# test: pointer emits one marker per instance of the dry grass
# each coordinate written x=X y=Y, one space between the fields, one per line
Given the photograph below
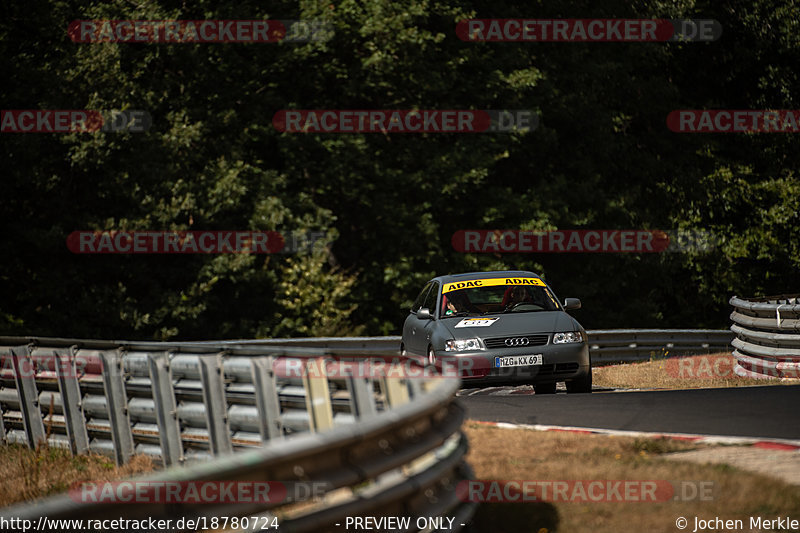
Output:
x=30 y=474
x=693 y=372
x=502 y=454
x=505 y=454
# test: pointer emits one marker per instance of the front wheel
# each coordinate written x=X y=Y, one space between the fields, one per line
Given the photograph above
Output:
x=582 y=384
x=431 y=357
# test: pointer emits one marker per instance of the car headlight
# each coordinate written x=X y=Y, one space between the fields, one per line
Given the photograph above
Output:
x=462 y=345
x=569 y=336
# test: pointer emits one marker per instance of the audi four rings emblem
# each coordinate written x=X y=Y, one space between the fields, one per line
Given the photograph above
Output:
x=517 y=341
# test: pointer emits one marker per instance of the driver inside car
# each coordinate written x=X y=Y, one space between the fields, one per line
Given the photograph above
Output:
x=514 y=296
x=457 y=302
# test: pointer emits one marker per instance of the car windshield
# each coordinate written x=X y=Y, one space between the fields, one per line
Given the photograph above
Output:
x=484 y=297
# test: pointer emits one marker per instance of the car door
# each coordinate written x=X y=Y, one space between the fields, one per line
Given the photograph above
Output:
x=413 y=327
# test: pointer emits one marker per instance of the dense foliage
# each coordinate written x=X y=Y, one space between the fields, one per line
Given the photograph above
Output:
x=601 y=157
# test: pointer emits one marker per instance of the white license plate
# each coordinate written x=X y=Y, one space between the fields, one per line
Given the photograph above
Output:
x=518 y=360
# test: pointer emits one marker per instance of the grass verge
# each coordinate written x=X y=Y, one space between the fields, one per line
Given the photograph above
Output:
x=692 y=372
x=30 y=474
x=505 y=454
x=508 y=454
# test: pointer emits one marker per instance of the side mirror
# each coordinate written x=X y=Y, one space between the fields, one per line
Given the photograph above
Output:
x=572 y=303
x=424 y=313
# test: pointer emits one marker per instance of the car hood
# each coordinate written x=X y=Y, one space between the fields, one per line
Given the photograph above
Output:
x=512 y=324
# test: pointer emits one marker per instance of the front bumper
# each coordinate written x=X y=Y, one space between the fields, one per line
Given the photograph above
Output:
x=560 y=362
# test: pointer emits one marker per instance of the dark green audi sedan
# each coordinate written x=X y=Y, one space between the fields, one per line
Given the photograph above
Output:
x=499 y=327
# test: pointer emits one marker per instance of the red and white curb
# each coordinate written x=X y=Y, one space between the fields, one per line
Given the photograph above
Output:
x=769 y=444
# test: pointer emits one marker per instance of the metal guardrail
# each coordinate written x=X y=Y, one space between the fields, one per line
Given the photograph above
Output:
x=383 y=439
x=109 y=415
x=179 y=401
x=292 y=415
x=605 y=346
x=767 y=343
x=632 y=345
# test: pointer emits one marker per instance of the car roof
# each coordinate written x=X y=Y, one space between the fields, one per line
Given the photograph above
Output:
x=450 y=278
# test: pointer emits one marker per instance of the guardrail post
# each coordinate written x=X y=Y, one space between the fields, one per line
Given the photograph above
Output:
x=362 y=398
x=2 y=427
x=414 y=388
x=71 y=400
x=318 y=396
x=395 y=390
x=219 y=431
x=166 y=410
x=28 y=396
x=2 y=424
x=117 y=402
x=267 y=401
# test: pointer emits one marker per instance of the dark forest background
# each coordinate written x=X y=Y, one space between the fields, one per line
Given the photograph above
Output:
x=602 y=157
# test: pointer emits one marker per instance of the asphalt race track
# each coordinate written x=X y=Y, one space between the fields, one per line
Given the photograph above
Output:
x=768 y=412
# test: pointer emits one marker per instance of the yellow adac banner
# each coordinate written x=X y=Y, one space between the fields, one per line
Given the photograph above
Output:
x=449 y=287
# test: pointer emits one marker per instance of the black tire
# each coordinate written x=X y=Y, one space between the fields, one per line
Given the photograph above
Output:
x=544 y=388
x=431 y=361
x=580 y=385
